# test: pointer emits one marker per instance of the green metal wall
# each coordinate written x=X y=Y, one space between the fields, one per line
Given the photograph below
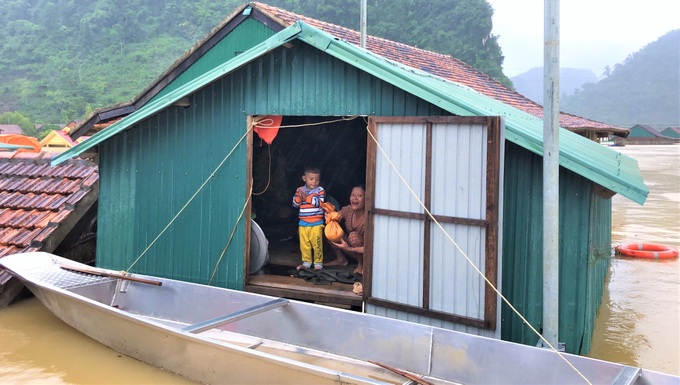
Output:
x=584 y=244
x=599 y=259
x=150 y=171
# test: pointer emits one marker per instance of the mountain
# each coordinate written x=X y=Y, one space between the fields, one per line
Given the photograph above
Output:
x=530 y=83
x=61 y=59
x=644 y=89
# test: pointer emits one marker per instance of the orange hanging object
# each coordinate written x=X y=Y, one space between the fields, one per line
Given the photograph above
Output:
x=267 y=127
x=328 y=207
x=334 y=216
x=333 y=231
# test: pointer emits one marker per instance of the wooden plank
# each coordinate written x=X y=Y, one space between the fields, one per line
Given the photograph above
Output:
x=104 y=273
x=296 y=288
x=404 y=373
x=493 y=187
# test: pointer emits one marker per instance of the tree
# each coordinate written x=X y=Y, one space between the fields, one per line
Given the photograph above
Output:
x=460 y=28
x=60 y=57
x=27 y=127
x=644 y=89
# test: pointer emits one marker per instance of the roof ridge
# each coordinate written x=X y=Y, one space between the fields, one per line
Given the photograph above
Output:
x=435 y=63
x=275 y=13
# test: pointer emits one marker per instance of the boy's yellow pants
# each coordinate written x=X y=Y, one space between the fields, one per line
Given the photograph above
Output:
x=311 y=244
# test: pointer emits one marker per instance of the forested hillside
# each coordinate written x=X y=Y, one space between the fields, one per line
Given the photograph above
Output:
x=60 y=59
x=644 y=89
x=530 y=83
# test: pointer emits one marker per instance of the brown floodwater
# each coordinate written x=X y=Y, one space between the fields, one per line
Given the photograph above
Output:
x=638 y=323
x=38 y=348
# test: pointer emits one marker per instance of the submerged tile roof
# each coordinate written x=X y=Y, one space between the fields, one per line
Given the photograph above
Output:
x=36 y=198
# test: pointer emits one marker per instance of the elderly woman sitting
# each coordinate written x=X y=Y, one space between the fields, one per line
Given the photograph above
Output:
x=353 y=223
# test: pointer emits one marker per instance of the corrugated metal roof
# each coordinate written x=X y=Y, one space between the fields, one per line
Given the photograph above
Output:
x=597 y=163
x=12 y=147
x=644 y=131
x=445 y=66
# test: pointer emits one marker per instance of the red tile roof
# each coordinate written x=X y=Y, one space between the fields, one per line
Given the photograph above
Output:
x=10 y=129
x=445 y=66
x=35 y=198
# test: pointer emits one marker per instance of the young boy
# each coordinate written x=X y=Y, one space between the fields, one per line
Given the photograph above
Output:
x=308 y=199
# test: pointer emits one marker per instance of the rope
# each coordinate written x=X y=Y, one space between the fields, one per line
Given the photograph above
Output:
x=343 y=119
x=263 y=122
x=231 y=236
x=470 y=262
x=269 y=122
x=191 y=199
x=269 y=171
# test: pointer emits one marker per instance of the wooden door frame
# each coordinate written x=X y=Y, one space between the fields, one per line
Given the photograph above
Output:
x=490 y=223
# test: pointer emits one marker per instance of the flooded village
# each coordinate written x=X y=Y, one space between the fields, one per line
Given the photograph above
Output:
x=639 y=302
x=191 y=182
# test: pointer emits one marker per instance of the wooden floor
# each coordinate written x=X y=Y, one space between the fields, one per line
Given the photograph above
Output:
x=284 y=256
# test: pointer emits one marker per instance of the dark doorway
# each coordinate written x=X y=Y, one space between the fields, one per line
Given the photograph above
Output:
x=337 y=146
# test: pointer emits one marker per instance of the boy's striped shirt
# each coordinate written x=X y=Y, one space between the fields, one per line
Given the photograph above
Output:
x=311 y=213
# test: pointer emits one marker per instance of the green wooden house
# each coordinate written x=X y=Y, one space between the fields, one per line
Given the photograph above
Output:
x=672 y=132
x=644 y=134
x=182 y=175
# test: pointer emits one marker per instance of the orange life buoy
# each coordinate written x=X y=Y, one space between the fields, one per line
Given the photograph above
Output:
x=647 y=250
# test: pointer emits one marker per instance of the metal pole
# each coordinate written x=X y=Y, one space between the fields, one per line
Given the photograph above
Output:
x=551 y=168
x=362 y=25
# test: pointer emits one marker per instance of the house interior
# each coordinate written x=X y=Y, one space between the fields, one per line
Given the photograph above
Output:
x=335 y=144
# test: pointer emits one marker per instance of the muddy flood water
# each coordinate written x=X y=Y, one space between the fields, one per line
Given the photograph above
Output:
x=638 y=323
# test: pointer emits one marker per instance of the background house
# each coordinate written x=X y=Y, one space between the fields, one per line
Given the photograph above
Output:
x=183 y=174
x=644 y=134
x=672 y=132
x=11 y=129
x=59 y=140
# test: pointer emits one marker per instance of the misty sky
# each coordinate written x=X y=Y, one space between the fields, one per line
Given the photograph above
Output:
x=592 y=34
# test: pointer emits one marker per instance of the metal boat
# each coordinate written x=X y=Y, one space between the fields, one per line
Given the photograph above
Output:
x=214 y=335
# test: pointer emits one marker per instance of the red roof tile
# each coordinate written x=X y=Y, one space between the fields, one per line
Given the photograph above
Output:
x=11 y=129
x=445 y=66
x=35 y=198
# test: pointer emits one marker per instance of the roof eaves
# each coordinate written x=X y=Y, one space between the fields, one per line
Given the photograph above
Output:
x=185 y=61
x=392 y=72
x=522 y=128
x=102 y=115
x=272 y=43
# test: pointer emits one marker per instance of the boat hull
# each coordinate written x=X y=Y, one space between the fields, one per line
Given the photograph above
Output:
x=295 y=343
